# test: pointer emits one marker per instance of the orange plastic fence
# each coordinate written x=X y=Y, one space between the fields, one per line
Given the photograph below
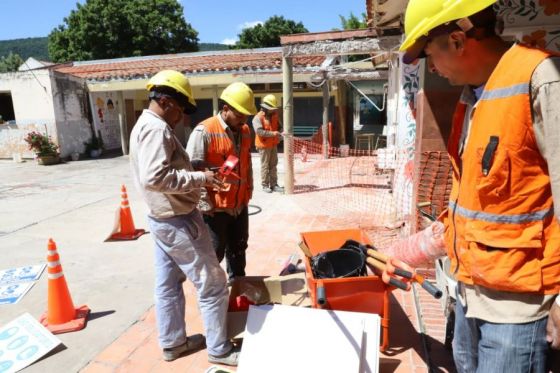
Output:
x=434 y=184
x=356 y=187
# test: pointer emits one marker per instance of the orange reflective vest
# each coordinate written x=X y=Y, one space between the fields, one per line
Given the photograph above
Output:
x=267 y=125
x=218 y=150
x=501 y=229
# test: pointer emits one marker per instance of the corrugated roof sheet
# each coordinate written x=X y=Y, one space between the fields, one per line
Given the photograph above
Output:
x=269 y=59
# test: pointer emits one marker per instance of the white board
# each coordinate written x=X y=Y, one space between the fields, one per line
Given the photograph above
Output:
x=23 y=341
x=12 y=293
x=21 y=274
x=295 y=339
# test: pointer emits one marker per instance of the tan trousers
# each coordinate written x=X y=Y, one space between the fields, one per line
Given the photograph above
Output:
x=269 y=161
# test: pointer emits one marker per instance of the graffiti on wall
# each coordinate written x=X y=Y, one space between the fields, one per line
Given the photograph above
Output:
x=406 y=136
x=533 y=22
x=106 y=118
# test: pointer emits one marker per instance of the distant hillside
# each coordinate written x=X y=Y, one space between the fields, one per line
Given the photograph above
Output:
x=38 y=48
x=29 y=47
x=205 y=47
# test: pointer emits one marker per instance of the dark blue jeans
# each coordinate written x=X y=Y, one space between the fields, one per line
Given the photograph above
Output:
x=485 y=347
x=229 y=236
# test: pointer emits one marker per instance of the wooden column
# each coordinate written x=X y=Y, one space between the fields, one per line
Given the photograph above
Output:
x=288 y=102
x=325 y=119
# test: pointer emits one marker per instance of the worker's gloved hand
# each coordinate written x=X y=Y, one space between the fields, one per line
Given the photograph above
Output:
x=212 y=180
x=389 y=271
x=420 y=248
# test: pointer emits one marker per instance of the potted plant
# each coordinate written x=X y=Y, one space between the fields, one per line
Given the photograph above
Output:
x=43 y=146
x=94 y=147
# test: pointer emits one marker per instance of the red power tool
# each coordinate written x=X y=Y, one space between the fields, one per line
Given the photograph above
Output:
x=228 y=167
x=226 y=170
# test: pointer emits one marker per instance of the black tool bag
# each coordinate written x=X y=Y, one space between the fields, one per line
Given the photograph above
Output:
x=348 y=261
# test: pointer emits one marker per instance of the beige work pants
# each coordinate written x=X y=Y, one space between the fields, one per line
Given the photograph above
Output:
x=269 y=161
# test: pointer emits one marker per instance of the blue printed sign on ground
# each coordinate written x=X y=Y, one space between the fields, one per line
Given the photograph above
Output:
x=23 y=341
x=12 y=293
x=21 y=274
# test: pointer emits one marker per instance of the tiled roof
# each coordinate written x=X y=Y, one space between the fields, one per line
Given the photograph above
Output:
x=242 y=61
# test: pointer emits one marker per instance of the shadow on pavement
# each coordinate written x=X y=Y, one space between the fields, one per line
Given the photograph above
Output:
x=403 y=336
x=96 y=315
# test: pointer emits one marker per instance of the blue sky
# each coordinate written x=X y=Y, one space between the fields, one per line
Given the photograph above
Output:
x=217 y=21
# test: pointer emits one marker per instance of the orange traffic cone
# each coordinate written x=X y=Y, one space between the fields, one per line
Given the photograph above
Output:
x=124 y=225
x=61 y=316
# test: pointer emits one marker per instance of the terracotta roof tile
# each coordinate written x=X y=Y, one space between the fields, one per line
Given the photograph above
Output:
x=230 y=61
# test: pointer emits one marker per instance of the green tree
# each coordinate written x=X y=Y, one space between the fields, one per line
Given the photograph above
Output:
x=10 y=63
x=353 y=22
x=268 y=34
x=122 y=28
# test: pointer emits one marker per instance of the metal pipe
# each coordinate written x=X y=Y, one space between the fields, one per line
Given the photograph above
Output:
x=122 y=125
x=215 y=108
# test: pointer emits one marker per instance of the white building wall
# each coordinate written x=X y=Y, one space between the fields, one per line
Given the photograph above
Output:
x=392 y=102
x=33 y=109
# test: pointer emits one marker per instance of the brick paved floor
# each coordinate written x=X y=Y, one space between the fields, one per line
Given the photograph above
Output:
x=274 y=234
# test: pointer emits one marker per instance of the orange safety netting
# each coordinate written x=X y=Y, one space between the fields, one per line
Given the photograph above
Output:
x=355 y=187
x=367 y=189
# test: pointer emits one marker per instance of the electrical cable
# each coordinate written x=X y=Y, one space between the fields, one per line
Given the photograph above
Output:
x=257 y=210
x=32 y=73
x=367 y=98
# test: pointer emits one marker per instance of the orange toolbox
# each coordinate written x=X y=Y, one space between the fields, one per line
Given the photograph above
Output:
x=358 y=294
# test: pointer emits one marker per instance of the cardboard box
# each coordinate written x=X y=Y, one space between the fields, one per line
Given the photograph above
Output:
x=290 y=290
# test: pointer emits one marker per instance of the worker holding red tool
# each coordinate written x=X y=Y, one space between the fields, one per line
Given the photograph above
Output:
x=223 y=142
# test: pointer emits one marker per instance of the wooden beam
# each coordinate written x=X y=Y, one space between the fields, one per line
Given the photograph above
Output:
x=328 y=35
x=345 y=47
x=357 y=75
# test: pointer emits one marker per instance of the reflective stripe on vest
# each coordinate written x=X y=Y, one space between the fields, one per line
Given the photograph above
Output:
x=500 y=218
x=501 y=230
x=514 y=90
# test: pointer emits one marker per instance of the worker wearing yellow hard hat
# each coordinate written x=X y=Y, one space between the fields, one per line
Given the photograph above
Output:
x=239 y=97
x=425 y=20
x=267 y=136
x=170 y=187
x=175 y=85
x=502 y=229
x=216 y=139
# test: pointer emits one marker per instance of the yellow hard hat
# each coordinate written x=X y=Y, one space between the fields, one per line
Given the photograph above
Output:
x=240 y=97
x=269 y=102
x=422 y=17
x=178 y=87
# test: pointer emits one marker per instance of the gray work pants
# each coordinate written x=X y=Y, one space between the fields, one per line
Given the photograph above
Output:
x=183 y=249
